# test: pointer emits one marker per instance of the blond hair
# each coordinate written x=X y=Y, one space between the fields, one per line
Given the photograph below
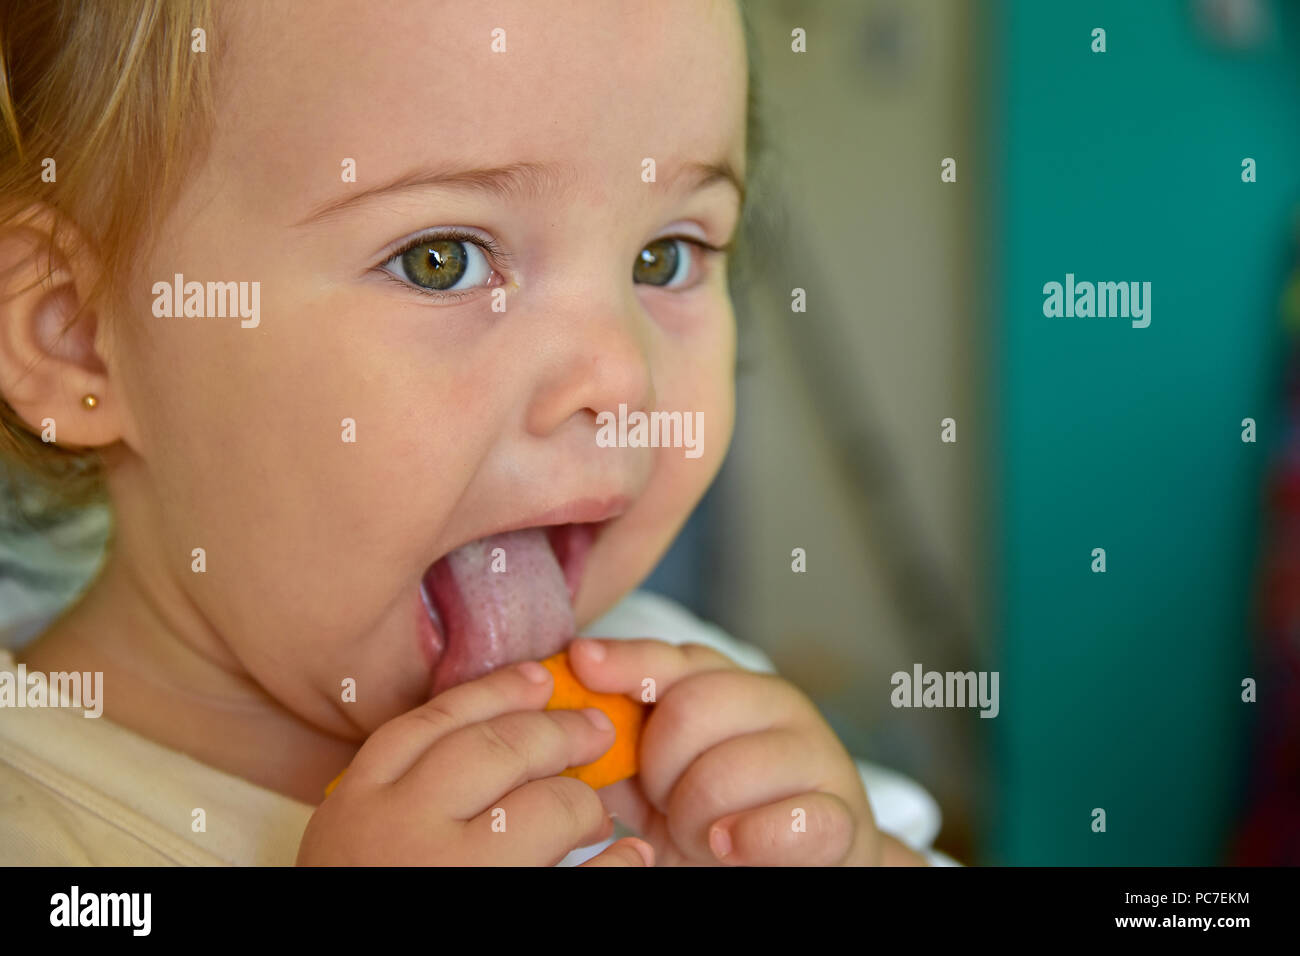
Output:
x=116 y=95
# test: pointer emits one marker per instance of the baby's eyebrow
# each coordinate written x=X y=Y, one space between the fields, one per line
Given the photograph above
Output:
x=516 y=182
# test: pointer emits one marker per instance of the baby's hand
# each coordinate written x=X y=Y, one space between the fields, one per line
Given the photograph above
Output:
x=736 y=767
x=470 y=778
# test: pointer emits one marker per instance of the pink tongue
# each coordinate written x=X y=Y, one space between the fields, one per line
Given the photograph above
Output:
x=495 y=617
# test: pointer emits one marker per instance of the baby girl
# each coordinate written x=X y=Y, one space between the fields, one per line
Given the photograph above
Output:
x=410 y=256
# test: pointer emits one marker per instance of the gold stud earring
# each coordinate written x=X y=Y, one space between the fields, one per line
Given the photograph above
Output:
x=90 y=401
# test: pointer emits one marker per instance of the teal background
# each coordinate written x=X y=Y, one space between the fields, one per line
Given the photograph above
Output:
x=1122 y=690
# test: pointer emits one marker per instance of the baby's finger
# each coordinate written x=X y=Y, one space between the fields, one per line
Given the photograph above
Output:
x=467 y=771
x=628 y=851
x=723 y=781
x=708 y=709
x=540 y=823
x=812 y=829
x=396 y=746
x=621 y=666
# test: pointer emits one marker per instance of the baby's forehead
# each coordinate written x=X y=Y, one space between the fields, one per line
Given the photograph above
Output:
x=592 y=85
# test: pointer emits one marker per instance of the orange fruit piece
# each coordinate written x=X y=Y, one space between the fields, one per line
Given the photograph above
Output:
x=619 y=762
x=329 y=787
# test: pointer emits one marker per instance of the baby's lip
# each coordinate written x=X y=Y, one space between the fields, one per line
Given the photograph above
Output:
x=594 y=513
x=582 y=511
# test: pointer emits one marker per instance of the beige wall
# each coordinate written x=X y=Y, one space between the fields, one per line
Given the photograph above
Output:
x=858 y=126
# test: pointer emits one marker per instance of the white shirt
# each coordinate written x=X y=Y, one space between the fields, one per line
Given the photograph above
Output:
x=85 y=791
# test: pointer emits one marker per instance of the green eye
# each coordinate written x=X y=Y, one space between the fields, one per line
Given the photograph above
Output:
x=437 y=265
x=442 y=264
x=662 y=262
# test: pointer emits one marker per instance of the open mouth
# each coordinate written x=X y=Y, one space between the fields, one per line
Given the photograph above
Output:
x=503 y=598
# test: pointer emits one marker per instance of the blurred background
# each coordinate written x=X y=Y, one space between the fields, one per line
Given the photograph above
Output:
x=1122 y=690
x=1119 y=690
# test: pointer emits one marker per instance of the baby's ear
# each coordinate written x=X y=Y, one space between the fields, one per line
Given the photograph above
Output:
x=49 y=358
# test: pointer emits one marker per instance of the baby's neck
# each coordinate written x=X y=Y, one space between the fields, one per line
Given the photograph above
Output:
x=186 y=691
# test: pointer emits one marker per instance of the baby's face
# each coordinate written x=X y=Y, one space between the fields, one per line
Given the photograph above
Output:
x=469 y=421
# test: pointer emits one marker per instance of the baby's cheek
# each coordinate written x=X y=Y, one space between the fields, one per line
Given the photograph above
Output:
x=713 y=401
x=712 y=385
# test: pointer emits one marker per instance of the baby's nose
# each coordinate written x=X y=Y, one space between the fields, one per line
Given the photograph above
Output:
x=603 y=362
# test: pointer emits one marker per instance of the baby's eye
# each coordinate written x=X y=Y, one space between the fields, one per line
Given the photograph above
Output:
x=666 y=262
x=441 y=264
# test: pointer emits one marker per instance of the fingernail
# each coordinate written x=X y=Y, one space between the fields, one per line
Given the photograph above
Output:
x=646 y=850
x=719 y=842
x=593 y=649
x=534 y=672
x=598 y=718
